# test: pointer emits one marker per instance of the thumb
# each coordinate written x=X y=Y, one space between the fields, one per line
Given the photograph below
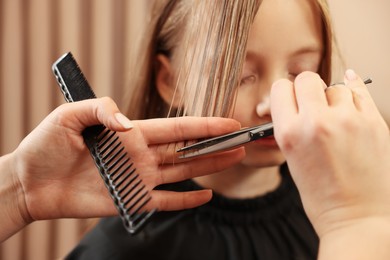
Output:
x=85 y=113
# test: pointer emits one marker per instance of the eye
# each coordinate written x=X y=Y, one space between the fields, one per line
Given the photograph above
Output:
x=247 y=80
x=297 y=68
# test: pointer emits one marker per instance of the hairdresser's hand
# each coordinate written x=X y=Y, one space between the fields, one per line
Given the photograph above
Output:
x=52 y=175
x=337 y=147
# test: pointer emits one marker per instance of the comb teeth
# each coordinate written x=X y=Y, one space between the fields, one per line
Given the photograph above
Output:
x=115 y=167
x=125 y=185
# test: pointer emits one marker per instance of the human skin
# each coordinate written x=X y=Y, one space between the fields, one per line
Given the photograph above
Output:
x=337 y=146
x=52 y=175
x=285 y=39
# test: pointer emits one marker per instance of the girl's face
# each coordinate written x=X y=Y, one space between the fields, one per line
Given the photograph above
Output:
x=285 y=40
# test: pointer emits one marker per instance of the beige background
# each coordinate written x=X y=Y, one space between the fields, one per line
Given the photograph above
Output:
x=363 y=34
x=33 y=34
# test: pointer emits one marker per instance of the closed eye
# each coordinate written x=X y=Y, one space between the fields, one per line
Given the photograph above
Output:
x=251 y=79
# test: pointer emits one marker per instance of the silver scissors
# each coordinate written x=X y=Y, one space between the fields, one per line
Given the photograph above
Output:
x=232 y=140
x=228 y=141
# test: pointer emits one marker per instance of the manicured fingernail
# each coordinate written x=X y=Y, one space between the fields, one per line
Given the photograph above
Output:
x=124 y=121
x=350 y=75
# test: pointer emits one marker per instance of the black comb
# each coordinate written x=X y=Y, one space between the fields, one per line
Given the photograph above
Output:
x=115 y=167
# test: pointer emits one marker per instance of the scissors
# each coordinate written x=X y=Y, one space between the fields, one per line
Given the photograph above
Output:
x=232 y=140
x=228 y=141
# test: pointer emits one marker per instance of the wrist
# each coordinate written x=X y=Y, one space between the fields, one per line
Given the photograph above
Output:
x=360 y=239
x=13 y=210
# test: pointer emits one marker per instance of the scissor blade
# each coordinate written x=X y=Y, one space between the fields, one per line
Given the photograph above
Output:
x=227 y=141
x=232 y=140
x=223 y=145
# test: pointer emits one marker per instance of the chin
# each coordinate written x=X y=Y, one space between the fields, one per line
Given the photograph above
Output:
x=263 y=159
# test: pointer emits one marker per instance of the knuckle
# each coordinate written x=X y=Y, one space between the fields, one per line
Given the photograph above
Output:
x=287 y=139
x=105 y=104
x=104 y=107
x=179 y=129
x=59 y=114
x=107 y=101
x=318 y=130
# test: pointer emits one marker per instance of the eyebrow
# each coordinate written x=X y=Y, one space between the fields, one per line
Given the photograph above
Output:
x=308 y=49
x=251 y=54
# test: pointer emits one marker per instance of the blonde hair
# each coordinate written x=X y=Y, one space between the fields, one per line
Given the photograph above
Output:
x=206 y=41
x=325 y=69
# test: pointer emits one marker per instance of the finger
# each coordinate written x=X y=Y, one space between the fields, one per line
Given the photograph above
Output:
x=309 y=91
x=81 y=114
x=361 y=95
x=78 y=204
x=167 y=153
x=339 y=95
x=177 y=129
x=283 y=102
x=170 y=200
x=200 y=166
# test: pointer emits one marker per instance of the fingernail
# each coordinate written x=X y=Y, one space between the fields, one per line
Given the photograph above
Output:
x=350 y=75
x=124 y=121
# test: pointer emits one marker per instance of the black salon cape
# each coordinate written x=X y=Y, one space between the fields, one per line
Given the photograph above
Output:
x=273 y=226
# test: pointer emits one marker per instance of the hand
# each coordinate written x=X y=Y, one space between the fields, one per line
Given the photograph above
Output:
x=337 y=147
x=54 y=174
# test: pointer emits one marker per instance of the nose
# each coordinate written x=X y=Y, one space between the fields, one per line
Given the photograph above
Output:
x=263 y=107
